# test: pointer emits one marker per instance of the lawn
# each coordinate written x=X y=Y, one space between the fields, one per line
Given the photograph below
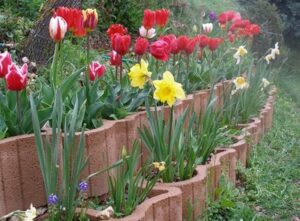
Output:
x=269 y=189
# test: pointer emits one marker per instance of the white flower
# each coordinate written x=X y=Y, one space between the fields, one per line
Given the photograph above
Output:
x=241 y=51
x=30 y=214
x=265 y=82
x=207 y=28
x=274 y=51
x=240 y=83
x=147 y=33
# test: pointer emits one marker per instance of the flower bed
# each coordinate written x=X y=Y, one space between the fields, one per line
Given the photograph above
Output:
x=162 y=204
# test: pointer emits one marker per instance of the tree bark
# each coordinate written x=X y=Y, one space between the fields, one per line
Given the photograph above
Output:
x=39 y=47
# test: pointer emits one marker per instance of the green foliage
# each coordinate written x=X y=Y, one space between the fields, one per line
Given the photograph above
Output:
x=17 y=18
x=210 y=133
x=169 y=140
x=15 y=112
x=229 y=205
x=130 y=186
x=72 y=157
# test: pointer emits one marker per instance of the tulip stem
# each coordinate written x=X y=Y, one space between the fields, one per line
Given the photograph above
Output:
x=88 y=48
x=53 y=77
x=178 y=73
x=116 y=75
x=18 y=109
x=174 y=59
x=121 y=70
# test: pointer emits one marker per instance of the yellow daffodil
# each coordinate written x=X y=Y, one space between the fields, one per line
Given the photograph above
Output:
x=30 y=214
x=167 y=90
x=240 y=83
x=265 y=82
x=161 y=166
x=139 y=74
x=241 y=51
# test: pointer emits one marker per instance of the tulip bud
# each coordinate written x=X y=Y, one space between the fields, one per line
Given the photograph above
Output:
x=141 y=46
x=115 y=59
x=5 y=62
x=96 y=70
x=57 y=28
x=121 y=43
x=160 y=49
x=182 y=41
x=90 y=19
x=195 y=29
x=149 y=19
x=16 y=77
x=162 y=17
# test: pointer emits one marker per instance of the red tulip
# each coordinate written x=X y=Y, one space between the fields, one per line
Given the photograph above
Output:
x=231 y=36
x=5 y=62
x=66 y=14
x=182 y=42
x=115 y=59
x=16 y=77
x=214 y=43
x=254 y=29
x=57 y=28
x=141 y=46
x=90 y=19
x=172 y=41
x=149 y=19
x=121 y=43
x=162 y=17
x=190 y=47
x=227 y=16
x=74 y=19
x=77 y=25
x=160 y=50
x=203 y=41
x=96 y=70
x=116 y=28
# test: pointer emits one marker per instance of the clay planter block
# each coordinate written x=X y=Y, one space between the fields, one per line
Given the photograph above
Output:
x=241 y=148
x=219 y=94
x=203 y=97
x=163 y=204
x=97 y=146
x=20 y=175
x=224 y=161
x=188 y=102
x=193 y=192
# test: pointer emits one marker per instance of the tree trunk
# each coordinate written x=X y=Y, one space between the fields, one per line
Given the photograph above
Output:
x=39 y=47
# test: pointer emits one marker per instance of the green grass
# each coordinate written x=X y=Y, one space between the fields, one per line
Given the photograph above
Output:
x=270 y=187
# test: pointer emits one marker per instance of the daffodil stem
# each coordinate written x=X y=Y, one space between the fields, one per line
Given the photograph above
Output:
x=18 y=109
x=170 y=125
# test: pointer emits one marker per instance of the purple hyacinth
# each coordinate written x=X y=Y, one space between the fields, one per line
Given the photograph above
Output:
x=212 y=16
x=83 y=186
x=52 y=199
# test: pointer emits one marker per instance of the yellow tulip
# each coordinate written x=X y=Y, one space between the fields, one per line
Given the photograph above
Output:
x=139 y=74
x=167 y=90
